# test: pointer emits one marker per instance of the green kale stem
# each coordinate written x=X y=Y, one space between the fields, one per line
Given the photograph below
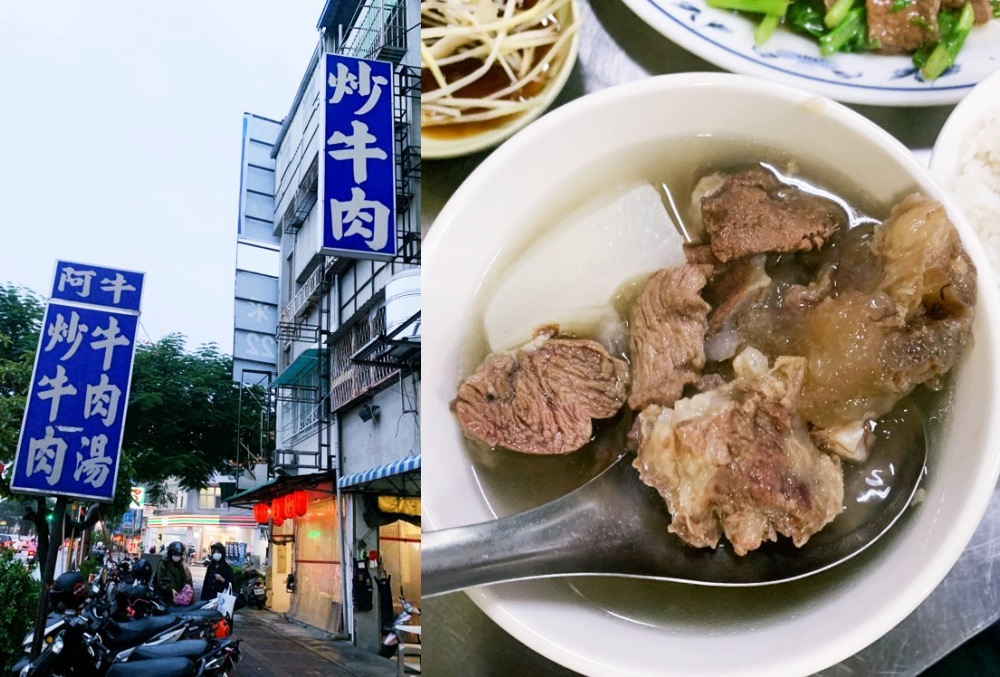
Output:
x=766 y=27
x=772 y=7
x=852 y=27
x=837 y=12
x=943 y=56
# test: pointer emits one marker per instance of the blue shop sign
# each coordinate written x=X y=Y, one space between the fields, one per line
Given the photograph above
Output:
x=71 y=434
x=359 y=184
x=97 y=286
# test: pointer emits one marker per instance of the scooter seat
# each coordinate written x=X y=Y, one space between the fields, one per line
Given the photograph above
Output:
x=124 y=635
x=196 y=606
x=203 y=616
x=186 y=648
x=158 y=667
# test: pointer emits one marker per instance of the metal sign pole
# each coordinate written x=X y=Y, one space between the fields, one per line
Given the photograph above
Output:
x=55 y=539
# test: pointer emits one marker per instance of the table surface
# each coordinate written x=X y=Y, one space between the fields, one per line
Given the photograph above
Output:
x=461 y=639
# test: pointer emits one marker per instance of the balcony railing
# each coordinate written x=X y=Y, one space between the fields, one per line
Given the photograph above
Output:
x=352 y=381
x=303 y=200
x=304 y=297
x=378 y=31
x=298 y=459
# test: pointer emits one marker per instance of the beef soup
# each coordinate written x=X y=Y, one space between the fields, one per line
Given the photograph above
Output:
x=776 y=374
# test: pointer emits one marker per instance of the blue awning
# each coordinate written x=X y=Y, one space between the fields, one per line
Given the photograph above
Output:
x=400 y=477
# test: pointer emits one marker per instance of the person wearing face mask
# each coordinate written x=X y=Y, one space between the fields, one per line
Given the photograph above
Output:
x=170 y=576
x=218 y=574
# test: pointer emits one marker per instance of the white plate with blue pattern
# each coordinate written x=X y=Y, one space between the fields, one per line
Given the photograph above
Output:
x=726 y=39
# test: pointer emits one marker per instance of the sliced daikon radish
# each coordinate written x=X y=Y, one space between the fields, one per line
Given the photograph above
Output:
x=571 y=275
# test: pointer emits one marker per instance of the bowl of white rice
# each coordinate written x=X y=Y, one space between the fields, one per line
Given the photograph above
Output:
x=966 y=160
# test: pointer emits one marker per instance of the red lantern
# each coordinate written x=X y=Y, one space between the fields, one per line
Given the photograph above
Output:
x=289 y=500
x=278 y=512
x=261 y=513
x=301 y=501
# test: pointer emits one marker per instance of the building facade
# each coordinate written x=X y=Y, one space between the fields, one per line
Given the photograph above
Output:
x=346 y=384
x=198 y=518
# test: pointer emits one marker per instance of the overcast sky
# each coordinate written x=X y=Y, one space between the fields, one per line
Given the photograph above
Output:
x=121 y=124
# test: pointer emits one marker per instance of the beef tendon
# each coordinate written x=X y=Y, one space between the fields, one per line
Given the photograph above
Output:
x=868 y=349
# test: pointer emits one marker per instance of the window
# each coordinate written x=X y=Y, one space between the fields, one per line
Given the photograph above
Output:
x=210 y=497
x=300 y=414
x=180 y=500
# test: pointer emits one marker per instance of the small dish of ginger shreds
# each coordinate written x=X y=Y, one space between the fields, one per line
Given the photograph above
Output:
x=489 y=67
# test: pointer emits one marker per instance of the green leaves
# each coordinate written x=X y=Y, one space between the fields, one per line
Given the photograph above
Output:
x=20 y=319
x=183 y=412
x=953 y=30
x=17 y=613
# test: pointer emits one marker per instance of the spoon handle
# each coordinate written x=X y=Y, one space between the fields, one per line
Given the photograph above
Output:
x=540 y=542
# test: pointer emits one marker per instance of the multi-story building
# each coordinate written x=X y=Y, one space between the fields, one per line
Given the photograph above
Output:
x=346 y=383
x=197 y=518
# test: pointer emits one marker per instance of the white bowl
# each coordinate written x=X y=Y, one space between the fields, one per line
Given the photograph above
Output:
x=439 y=147
x=963 y=122
x=626 y=627
x=959 y=141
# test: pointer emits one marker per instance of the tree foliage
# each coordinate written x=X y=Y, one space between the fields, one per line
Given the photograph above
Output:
x=20 y=317
x=182 y=412
x=19 y=592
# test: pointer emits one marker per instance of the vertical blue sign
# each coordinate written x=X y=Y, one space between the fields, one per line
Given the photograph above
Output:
x=359 y=175
x=71 y=434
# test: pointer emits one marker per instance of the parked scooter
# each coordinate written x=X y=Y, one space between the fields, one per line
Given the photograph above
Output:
x=78 y=651
x=395 y=634
x=84 y=640
x=136 y=600
x=254 y=588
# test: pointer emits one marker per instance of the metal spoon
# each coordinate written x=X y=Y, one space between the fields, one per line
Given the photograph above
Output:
x=616 y=525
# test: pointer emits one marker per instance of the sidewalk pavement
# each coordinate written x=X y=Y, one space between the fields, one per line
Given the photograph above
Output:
x=273 y=646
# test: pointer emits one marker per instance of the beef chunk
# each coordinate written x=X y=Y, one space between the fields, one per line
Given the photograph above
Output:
x=752 y=212
x=738 y=461
x=809 y=295
x=700 y=254
x=981 y=8
x=667 y=340
x=541 y=399
x=734 y=287
x=902 y=31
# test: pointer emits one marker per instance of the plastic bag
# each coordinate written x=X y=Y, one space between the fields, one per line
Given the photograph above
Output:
x=184 y=596
x=226 y=601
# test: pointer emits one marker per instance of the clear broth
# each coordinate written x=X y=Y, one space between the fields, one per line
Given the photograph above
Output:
x=514 y=482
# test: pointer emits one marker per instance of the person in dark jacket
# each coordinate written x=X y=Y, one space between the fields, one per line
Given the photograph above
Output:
x=170 y=575
x=218 y=575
